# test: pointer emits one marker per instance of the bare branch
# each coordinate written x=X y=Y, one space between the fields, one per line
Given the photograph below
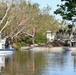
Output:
x=5 y=25
x=20 y=27
x=13 y=34
x=17 y=33
x=5 y=14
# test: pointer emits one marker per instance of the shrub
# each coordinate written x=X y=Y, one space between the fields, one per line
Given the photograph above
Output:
x=40 y=38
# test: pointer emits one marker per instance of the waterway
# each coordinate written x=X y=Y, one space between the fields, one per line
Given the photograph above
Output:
x=40 y=63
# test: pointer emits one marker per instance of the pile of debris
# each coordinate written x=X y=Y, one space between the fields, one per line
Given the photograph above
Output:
x=55 y=43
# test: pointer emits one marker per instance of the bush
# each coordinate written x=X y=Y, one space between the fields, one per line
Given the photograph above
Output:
x=20 y=44
x=40 y=38
x=28 y=40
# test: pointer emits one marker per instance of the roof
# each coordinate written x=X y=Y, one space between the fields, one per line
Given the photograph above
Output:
x=48 y=31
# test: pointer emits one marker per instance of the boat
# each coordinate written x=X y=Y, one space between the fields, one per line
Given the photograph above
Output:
x=5 y=51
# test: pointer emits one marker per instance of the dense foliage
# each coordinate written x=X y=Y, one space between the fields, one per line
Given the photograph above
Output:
x=67 y=10
x=24 y=16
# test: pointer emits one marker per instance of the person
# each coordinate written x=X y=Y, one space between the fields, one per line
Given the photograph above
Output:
x=6 y=43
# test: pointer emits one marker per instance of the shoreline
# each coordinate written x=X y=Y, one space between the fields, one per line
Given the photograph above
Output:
x=49 y=48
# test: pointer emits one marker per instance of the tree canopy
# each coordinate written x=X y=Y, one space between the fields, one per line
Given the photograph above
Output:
x=24 y=16
x=67 y=10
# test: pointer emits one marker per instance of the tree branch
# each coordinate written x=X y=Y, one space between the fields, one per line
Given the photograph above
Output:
x=5 y=15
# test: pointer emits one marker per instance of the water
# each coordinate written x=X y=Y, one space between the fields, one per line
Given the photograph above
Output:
x=41 y=63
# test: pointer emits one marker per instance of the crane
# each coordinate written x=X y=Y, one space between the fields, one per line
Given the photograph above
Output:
x=31 y=35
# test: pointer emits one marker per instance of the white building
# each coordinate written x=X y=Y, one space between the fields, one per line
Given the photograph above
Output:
x=50 y=37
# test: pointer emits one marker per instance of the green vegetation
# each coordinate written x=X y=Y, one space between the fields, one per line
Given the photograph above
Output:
x=24 y=16
x=40 y=38
x=67 y=10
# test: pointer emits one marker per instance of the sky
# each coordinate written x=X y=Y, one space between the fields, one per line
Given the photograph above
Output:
x=51 y=3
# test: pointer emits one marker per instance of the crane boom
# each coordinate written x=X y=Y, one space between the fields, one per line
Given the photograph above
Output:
x=32 y=35
x=28 y=33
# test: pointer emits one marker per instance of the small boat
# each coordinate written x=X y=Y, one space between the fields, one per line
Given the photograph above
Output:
x=5 y=51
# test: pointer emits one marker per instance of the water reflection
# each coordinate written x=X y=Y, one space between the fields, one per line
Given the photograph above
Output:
x=74 y=63
x=2 y=63
x=41 y=63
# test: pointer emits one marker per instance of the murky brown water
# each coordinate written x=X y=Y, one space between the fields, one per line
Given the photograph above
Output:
x=40 y=63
